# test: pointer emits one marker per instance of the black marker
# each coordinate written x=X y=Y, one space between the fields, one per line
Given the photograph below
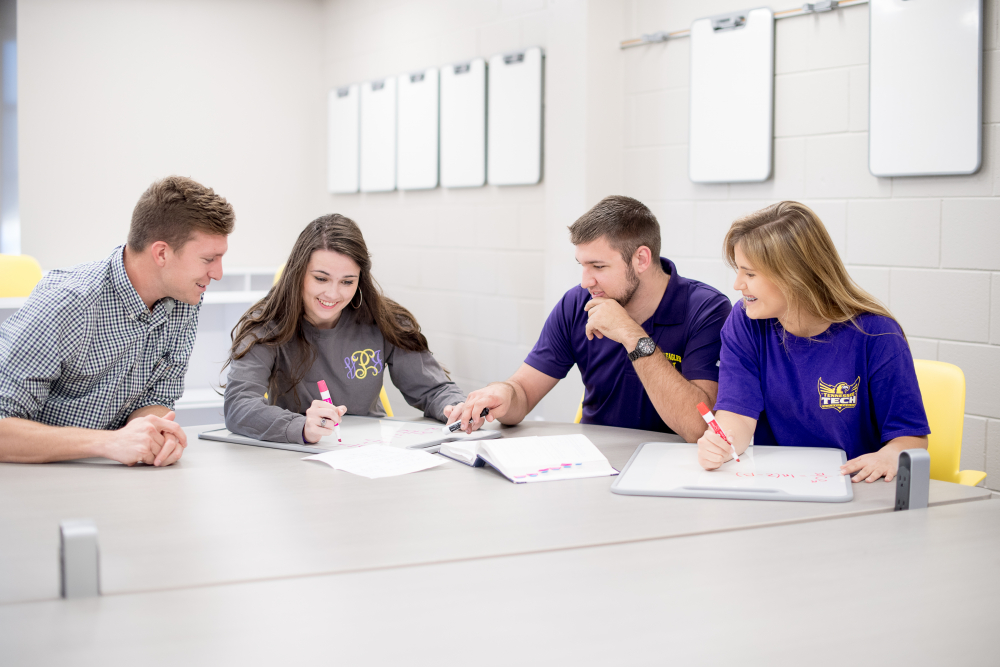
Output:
x=451 y=428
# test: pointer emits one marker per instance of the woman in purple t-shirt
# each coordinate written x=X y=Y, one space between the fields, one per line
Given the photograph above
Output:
x=810 y=359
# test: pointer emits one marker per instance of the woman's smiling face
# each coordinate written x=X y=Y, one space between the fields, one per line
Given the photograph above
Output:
x=761 y=297
x=330 y=283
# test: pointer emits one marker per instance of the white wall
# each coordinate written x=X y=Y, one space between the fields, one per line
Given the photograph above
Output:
x=929 y=248
x=480 y=267
x=115 y=94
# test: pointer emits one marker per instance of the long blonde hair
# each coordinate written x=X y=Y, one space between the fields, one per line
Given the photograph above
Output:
x=788 y=243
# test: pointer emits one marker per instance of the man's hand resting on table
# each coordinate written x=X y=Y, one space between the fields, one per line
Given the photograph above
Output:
x=158 y=441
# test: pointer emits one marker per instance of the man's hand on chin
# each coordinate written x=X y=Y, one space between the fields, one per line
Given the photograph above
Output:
x=607 y=319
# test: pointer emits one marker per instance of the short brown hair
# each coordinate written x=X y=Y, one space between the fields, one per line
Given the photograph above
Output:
x=627 y=223
x=173 y=208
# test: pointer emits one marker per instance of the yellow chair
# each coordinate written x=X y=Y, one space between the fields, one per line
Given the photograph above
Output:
x=18 y=275
x=579 y=410
x=942 y=386
x=382 y=395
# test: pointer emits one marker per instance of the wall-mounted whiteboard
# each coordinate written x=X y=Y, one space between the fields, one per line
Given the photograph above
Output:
x=378 y=135
x=925 y=87
x=514 y=119
x=732 y=97
x=342 y=140
x=463 y=124
x=417 y=123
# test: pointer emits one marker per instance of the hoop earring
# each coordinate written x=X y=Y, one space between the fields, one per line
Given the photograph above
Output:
x=359 y=302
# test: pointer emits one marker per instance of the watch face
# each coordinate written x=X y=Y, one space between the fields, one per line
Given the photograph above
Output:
x=646 y=346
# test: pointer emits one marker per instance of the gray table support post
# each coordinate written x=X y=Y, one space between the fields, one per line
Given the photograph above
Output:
x=913 y=479
x=78 y=558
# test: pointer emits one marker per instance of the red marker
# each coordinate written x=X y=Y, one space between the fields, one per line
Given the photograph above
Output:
x=709 y=418
x=324 y=393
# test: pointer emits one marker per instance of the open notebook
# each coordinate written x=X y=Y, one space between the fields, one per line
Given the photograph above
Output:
x=534 y=459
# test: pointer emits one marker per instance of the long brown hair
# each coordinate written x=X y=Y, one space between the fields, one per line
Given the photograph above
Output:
x=788 y=243
x=277 y=318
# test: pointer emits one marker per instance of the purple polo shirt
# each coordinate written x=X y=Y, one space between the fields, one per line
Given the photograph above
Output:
x=845 y=388
x=685 y=326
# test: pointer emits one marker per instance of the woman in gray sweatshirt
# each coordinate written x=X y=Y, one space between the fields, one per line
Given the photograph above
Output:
x=327 y=319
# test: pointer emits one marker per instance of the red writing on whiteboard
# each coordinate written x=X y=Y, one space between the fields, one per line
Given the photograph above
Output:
x=811 y=477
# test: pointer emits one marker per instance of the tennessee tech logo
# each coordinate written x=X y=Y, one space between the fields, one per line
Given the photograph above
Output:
x=838 y=396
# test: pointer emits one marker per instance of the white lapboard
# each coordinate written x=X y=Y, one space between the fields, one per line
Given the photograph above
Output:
x=357 y=431
x=342 y=140
x=378 y=135
x=732 y=97
x=514 y=119
x=763 y=473
x=463 y=124
x=925 y=94
x=417 y=130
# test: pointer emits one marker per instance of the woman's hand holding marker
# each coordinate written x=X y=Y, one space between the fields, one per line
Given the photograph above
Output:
x=322 y=417
x=715 y=447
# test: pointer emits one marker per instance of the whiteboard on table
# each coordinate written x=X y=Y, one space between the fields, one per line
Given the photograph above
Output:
x=763 y=473
x=925 y=93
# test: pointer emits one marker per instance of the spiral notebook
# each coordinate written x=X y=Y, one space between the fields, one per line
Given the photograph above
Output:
x=534 y=459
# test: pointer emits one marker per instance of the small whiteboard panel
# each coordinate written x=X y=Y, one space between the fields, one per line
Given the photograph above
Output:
x=925 y=95
x=342 y=140
x=732 y=98
x=463 y=124
x=417 y=123
x=378 y=135
x=763 y=473
x=514 y=120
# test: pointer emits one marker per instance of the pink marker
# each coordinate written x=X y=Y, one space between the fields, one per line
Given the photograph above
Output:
x=324 y=393
x=709 y=418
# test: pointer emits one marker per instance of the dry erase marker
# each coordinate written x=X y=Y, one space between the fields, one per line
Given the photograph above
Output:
x=709 y=418
x=451 y=428
x=324 y=393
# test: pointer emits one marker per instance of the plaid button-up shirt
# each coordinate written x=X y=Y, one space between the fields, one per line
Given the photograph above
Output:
x=85 y=351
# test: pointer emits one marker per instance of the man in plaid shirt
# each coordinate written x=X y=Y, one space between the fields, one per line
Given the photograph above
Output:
x=93 y=362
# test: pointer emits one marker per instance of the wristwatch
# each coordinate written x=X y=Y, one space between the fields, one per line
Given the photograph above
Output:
x=643 y=348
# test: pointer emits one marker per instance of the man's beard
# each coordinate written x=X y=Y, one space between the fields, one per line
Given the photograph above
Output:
x=633 y=286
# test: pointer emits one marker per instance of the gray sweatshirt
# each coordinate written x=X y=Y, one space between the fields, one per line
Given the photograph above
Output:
x=351 y=358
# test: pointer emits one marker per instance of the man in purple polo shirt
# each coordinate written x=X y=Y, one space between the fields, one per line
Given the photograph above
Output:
x=648 y=376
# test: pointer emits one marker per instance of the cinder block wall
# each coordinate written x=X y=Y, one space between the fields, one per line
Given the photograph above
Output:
x=468 y=262
x=929 y=248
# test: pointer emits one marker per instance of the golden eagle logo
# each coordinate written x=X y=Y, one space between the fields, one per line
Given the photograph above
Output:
x=838 y=396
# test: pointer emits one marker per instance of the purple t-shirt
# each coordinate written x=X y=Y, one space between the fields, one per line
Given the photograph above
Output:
x=685 y=326
x=843 y=388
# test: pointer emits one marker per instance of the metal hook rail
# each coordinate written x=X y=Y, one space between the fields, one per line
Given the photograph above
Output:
x=809 y=8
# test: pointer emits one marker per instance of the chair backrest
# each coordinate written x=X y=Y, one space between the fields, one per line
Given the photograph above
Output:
x=579 y=409
x=942 y=386
x=384 y=397
x=18 y=275
x=277 y=274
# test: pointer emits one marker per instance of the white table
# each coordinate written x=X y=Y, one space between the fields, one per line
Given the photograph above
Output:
x=232 y=513
x=907 y=588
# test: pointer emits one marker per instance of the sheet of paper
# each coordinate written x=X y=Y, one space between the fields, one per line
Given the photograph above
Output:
x=374 y=461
